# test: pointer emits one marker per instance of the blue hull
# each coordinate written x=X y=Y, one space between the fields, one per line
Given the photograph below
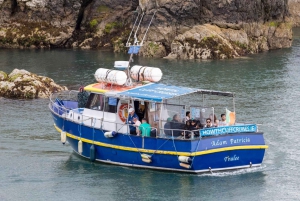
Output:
x=217 y=153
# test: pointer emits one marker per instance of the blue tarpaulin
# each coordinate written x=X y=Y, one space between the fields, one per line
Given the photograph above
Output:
x=157 y=92
x=133 y=49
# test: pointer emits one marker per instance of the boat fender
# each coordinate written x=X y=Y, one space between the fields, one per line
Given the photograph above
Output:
x=63 y=136
x=146 y=156
x=184 y=159
x=146 y=160
x=80 y=147
x=92 y=153
x=110 y=134
x=187 y=166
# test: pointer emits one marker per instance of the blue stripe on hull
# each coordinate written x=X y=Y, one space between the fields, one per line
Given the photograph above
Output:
x=219 y=160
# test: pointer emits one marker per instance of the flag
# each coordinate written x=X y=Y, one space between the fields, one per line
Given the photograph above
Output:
x=230 y=117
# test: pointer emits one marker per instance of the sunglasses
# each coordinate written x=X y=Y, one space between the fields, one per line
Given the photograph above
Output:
x=208 y=122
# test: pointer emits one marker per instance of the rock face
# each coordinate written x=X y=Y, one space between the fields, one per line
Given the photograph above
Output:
x=190 y=29
x=294 y=9
x=22 y=84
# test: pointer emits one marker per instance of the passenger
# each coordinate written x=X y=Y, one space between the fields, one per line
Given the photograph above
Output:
x=215 y=123
x=136 y=124
x=186 y=133
x=208 y=123
x=82 y=97
x=176 y=118
x=195 y=128
x=167 y=127
x=145 y=128
x=188 y=116
x=129 y=121
x=176 y=125
x=223 y=120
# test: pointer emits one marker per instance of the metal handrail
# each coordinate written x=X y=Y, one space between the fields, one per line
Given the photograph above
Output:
x=64 y=111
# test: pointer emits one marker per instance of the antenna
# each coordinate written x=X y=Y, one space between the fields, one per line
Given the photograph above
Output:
x=135 y=38
x=147 y=28
x=135 y=47
x=127 y=43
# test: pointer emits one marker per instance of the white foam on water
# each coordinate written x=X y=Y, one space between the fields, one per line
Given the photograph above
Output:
x=234 y=172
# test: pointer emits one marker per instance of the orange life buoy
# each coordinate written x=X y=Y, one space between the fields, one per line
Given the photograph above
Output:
x=123 y=112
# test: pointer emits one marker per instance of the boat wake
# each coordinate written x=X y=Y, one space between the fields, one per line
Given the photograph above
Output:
x=234 y=172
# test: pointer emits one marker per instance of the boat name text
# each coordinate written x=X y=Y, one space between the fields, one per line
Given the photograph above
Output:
x=230 y=141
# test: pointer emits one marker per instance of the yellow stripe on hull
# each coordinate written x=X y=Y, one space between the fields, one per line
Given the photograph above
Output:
x=198 y=153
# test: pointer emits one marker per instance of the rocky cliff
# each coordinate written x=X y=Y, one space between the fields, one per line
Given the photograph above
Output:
x=190 y=29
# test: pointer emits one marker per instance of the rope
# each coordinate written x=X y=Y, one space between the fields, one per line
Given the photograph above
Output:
x=159 y=147
x=107 y=72
x=143 y=73
x=134 y=144
x=196 y=150
x=175 y=149
x=139 y=74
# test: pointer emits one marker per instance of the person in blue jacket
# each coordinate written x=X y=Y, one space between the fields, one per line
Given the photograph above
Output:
x=129 y=120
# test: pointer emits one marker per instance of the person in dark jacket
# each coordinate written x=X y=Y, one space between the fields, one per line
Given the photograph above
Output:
x=82 y=97
x=176 y=125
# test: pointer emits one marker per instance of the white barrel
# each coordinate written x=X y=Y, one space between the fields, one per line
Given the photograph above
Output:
x=80 y=147
x=63 y=136
x=184 y=159
x=111 y=76
x=144 y=73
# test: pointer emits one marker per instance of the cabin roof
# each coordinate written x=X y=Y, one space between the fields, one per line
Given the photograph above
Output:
x=154 y=91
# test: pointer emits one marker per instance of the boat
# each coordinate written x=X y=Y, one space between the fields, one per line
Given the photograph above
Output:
x=97 y=127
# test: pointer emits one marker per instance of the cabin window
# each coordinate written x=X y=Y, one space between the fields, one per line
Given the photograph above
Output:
x=96 y=102
x=102 y=103
x=111 y=104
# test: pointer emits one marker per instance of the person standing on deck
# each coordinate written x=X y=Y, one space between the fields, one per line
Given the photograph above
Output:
x=82 y=97
x=145 y=128
x=129 y=120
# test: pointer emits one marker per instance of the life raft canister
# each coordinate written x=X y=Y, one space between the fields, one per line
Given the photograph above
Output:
x=123 y=111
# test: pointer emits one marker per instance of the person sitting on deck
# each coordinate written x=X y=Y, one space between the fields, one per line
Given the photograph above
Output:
x=176 y=125
x=208 y=123
x=215 y=121
x=136 y=124
x=188 y=116
x=195 y=128
x=186 y=133
x=223 y=120
x=129 y=121
x=167 y=127
x=145 y=128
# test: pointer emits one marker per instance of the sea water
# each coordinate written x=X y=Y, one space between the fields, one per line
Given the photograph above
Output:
x=36 y=166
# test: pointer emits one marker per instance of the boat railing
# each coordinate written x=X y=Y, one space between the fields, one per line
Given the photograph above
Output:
x=178 y=134
x=64 y=95
x=95 y=122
